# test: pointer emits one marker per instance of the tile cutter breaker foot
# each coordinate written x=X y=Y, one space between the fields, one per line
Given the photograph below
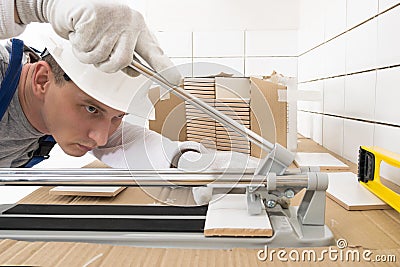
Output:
x=269 y=187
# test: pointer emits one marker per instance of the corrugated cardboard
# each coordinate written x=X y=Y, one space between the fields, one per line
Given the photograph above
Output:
x=170 y=120
x=130 y=196
x=75 y=254
x=269 y=123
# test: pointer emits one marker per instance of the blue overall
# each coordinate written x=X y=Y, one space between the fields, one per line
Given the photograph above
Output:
x=7 y=90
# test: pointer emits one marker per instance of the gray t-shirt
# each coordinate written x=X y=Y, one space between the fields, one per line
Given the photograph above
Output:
x=18 y=139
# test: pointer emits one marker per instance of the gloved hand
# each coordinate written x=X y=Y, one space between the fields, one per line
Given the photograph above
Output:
x=214 y=160
x=104 y=33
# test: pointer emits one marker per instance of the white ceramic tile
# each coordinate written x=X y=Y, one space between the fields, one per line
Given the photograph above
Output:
x=218 y=44
x=361 y=45
x=356 y=134
x=349 y=193
x=311 y=64
x=304 y=105
x=286 y=66
x=184 y=65
x=316 y=133
x=388 y=52
x=334 y=96
x=332 y=132
x=212 y=66
x=271 y=43
x=304 y=123
x=388 y=138
x=175 y=44
x=334 y=57
x=359 y=95
x=360 y=10
x=303 y=62
x=311 y=24
x=13 y=194
x=316 y=105
x=211 y=15
x=335 y=18
x=385 y=4
x=387 y=96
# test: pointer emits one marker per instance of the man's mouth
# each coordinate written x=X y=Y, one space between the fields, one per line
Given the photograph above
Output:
x=85 y=148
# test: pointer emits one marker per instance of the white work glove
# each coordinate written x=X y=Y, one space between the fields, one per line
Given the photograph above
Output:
x=138 y=148
x=103 y=33
x=214 y=160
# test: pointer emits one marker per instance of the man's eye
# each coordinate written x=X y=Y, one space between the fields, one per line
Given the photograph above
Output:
x=91 y=109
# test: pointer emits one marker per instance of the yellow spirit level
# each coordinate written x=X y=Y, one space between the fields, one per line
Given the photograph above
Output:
x=369 y=163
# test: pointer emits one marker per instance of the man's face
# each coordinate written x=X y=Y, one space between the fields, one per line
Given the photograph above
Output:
x=77 y=121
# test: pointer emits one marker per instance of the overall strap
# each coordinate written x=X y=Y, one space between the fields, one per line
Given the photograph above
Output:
x=10 y=82
x=46 y=143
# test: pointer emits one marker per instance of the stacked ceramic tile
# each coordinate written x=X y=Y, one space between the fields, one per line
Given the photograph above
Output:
x=228 y=95
x=233 y=99
x=199 y=126
x=227 y=139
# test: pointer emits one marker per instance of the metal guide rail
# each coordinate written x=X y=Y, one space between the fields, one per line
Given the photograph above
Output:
x=123 y=177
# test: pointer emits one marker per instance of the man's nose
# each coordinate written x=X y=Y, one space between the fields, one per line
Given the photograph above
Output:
x=99 y=133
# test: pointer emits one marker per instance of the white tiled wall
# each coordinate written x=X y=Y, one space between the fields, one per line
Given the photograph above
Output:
x=335 y=18
x=387 y=108
x=361 y=44
x=388 y=38
x=332 y=134
x=334 y=96
x=356 y=133
x=387 y=137
x=359 y=11
x=360 y=72
x=242 y=53
x=359 y=95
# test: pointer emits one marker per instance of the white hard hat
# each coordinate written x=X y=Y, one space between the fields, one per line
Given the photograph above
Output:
x=116 y=90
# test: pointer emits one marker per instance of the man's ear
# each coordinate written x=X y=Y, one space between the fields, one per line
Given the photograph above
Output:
x=41 y=78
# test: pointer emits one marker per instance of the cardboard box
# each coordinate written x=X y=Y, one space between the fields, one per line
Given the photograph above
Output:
x=268 y=116
x=170 y=120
